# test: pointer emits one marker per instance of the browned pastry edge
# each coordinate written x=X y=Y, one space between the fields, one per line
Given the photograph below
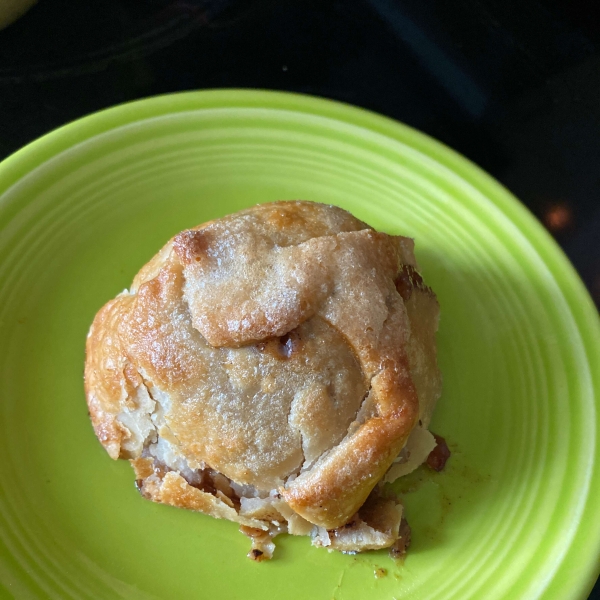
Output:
x=362 y=458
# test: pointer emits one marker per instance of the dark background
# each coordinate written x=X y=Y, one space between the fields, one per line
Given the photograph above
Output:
x=514 y=86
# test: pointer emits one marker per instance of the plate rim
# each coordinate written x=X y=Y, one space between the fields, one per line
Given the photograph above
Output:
x=25 y=160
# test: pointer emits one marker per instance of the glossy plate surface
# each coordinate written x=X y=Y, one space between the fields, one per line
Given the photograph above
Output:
x=515 y=515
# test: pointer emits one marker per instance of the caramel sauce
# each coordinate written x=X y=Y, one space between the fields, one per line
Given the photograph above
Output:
x=407 y=280
x=439 y=455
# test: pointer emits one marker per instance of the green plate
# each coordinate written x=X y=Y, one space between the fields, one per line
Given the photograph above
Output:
x=515 y=515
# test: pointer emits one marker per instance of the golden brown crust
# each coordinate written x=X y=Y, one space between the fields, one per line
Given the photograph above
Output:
x=106 y=383
x=423 y=312
x=375 y=526
x=287 y=346
x=254 y=384
x=375 y=322
x=174 y=490
x=273 y=278
x=330 y=493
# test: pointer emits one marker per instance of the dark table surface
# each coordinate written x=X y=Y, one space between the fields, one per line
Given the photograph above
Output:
x=514 y=86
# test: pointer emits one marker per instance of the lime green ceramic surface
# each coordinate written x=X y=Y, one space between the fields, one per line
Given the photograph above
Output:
x=517 y=512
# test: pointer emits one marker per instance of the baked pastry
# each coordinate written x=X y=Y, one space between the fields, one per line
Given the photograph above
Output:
x=274 y=368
